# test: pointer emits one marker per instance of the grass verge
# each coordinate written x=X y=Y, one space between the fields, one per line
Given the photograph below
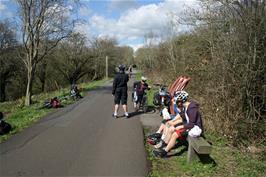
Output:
x=21 y=117
x=227 y=161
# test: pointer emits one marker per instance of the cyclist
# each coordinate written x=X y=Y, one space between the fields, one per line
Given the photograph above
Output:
x=139 y=89
x=74 y=92
x=120 y=90
x=192 y=123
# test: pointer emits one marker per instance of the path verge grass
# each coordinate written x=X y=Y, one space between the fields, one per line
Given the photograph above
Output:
x=228 y=161
x=21 y=117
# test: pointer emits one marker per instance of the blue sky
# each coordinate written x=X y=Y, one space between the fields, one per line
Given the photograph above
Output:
x=129 y=21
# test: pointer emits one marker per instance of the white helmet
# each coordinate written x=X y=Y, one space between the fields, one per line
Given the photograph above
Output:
x=181 y=96
x=143 y=78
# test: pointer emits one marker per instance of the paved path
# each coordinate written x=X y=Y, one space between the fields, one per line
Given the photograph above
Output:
x=79 y=140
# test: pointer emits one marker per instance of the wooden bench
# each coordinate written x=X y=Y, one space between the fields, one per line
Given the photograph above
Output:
x=198 y=149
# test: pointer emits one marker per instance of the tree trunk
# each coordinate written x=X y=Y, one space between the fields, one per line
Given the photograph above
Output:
x=31 y=71
x=95 y=75
x=43 y=75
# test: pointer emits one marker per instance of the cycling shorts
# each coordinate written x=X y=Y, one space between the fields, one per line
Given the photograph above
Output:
x=181 y=133
x=121 y=96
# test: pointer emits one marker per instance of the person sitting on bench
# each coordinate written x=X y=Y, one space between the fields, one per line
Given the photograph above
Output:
x=168 y=118
x=168 y=126
x=158 y=137
x=4 y=126
x=193 y=121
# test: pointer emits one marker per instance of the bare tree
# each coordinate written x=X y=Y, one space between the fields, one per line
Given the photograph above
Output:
x=44 y=24
x=101 y=48
x=73 y=58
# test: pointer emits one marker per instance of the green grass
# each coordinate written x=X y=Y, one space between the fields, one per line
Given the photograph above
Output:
x=228 y=161
x=21 y=117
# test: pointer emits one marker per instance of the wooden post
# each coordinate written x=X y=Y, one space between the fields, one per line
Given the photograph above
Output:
x=106 y=66
x=192 y=155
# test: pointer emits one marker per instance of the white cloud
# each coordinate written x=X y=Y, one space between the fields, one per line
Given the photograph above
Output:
x=136 y=46
x=137 y=23
x=2 y=6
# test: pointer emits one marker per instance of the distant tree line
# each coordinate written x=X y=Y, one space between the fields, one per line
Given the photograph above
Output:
x=47 y=54
x=225 y=55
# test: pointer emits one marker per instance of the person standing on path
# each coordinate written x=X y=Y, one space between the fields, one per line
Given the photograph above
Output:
x=120 y=90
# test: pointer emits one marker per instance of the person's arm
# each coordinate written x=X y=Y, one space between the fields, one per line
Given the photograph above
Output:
x=193 y=116
x=173 y=121
x=127 y=78
x=176 y=109
x=148 y=87
x=179 y=127
x=114 y=85
x=177 y=120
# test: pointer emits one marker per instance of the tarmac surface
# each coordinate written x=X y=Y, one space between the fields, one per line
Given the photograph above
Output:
x=82 y=139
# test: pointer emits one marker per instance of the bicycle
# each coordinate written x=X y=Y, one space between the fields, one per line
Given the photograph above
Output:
x=161 y=98
x=143 y=105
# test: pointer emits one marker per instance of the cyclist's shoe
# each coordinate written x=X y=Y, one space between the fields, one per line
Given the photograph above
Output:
x=159 y=153
x=127 y=115
x=114 y=115
x=160 y=145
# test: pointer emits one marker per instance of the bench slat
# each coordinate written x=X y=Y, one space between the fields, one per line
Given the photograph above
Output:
x=200 y=145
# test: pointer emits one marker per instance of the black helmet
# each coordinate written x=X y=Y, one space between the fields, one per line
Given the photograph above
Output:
x=121 y=67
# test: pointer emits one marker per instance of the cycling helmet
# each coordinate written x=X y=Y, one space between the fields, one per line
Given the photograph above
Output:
x=143 y=78
x=163 y=91
x=181 y=96
x=122 y=67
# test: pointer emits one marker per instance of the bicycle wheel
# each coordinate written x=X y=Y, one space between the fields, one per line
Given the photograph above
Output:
x=145 y=104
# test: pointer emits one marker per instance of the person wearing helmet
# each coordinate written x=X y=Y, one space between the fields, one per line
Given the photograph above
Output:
x=119 y=90
x=169 y=122
x=192 y=123
x=139 y=88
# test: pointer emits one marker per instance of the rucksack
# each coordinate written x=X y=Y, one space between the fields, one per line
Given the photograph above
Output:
x=154 y=138
x=4 y=127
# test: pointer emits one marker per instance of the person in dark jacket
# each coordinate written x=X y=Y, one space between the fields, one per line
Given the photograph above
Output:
x=120 y=90
x=4 y=126
x=192 y=124
x=139 y=89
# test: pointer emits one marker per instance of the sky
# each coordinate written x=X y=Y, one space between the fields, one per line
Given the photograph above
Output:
x=131 y=22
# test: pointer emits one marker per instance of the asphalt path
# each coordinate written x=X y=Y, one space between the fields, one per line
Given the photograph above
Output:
x=82 y=139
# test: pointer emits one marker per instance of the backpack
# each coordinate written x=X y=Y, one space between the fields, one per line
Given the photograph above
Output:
x=4 y=127
x=154 y=138
x=55 y=103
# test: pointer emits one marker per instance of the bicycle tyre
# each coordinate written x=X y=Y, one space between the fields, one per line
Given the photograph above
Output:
x=145 y=104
